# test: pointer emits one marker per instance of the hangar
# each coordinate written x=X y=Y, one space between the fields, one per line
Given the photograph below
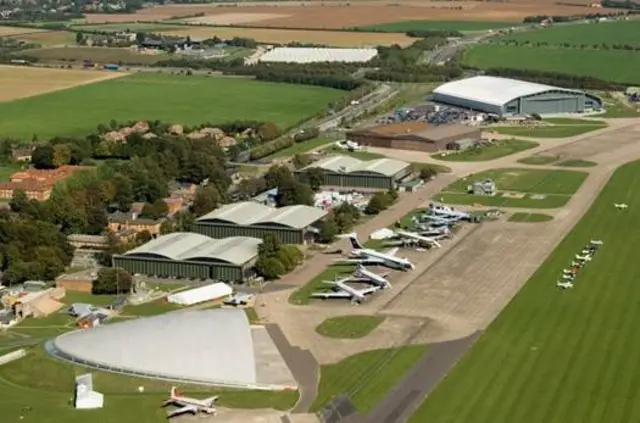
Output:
x=349 y=172
x=216 y=347
x=419 y=136
x=511 y=97
x=192 y=256
x=293 y=224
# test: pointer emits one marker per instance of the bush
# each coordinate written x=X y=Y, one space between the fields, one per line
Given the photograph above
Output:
x=270 y=147
x=379 y=202
x=112 y=281
x=270 y=267
x=306 y=134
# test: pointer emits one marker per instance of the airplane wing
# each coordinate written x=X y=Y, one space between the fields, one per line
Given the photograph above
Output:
x=364 y=260
x=182 y=410
x=339 y=294
x=392 y=252
x=368 y=291
x=211 y=400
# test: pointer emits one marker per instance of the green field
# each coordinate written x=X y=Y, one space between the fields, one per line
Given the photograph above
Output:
x=46 y=386
x=609 y=33
x=100 y=55
x=463 y=26
x=530 y=217
x=349 y=327
x=186 y=100
x=302 y=295
x=554 y=186
x=301 y=148
x=367 y=377
x=493 y=151
x=539 y=160
x=561 y=356
x=552 y=131
x=569 y=61
x=577 y=163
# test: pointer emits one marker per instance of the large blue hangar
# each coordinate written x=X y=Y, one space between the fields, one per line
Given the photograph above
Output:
x=511 y=97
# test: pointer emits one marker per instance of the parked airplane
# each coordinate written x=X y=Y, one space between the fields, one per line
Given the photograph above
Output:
x=445 y=211
x=189 y=405
x=364 y=256
x=423 y=240
x=433 y=231
x=348 y=145
x=620 y=206
x=439 y=220
x=376 y=279
x=564 y=285
x=342 y=290
x=584 y=257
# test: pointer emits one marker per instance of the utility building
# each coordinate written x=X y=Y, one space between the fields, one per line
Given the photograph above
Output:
x=192 y=256
x=372 y=175
x=292 y=224
x=511 y=97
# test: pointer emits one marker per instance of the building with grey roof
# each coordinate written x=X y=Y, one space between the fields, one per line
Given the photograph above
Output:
x=293 y=224
x=209 y=347
x=192 y=256
x=349 y=172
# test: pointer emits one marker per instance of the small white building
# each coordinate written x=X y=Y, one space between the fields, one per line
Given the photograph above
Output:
x=214 y=291
x=85 y=397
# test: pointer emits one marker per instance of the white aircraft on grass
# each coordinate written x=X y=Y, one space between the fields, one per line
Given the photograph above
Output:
x=620 y=206
x=584 y=257
x=342 y=290
x=564 y=285
x=364 y=256
x=348 y=145
x=420 y=239
x=362 y=273
x=189 y=405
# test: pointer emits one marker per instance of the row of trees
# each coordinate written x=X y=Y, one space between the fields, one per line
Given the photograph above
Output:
x=276 y=259
x=597 y=46
x=555 y=79
x=571 y=18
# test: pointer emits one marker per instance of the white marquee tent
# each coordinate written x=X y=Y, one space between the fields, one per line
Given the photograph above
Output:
x=86 y=398
x=319 y=55
x=199 y=295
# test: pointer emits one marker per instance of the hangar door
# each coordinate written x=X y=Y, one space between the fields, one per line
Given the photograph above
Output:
x=551 y=103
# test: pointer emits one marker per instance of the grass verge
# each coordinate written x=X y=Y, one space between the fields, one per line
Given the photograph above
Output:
x=496 y=150
x=538 y=160
x=349 y=327
x=367 y=377
x=302 y=295
x=530 y=217
x=555 y=131
x=577 y=163
x=301 y=148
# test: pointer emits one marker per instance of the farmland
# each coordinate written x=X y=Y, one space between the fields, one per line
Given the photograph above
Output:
x=126 y=26
x=180 y=99
x=20 y=82
x=462 y=26
x=565 y=60
x=532 y=364
x=49 y=38
x=366 y=377
x=608 y=33
x=95 y=54
x=530 y=188
x=280 y=36
x=6 y=31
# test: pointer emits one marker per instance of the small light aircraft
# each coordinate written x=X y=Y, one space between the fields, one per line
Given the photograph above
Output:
x=420 y=239
x=564 y=285
x=342 y=290
x=364 y=256
x=584 y=257
x=348 y=145
x=620 y=206
x=362 y=273
x=447 y=212
x=189 y=405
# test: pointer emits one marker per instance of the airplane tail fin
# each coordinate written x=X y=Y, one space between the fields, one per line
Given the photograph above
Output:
x=353 y=238
x=174 y=392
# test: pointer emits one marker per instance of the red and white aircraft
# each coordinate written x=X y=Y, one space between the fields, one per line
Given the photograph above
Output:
x=189 y=405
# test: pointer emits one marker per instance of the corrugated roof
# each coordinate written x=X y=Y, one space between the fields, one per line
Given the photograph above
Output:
x=346 y=164
x=399 y=128
x=251 y=213
x=493 y=90
x=183 y=246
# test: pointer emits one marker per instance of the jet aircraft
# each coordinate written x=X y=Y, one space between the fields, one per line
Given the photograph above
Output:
x=189 y=405
x=362 y=273
x=364 y=256
x=342 y=290
x=420 y=239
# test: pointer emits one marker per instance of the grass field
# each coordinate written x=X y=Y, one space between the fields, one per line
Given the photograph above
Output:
x=577 y=163
x=609 y=33
x=301 y=147
x=367 y=377
x=6 y=31
x=530 y=217
x=553 y=131
x=283 y=36
x=46 y=386
x=570 y=61
x=101 y=55
x=494 y=151
x=49 y=38
x=302 y=295
x=18 y=82
x=462 y=26
x=193 y=100
x=127 y=27
x=349 y=327
x=539 y=160
x=554 y=188
x=533 y=364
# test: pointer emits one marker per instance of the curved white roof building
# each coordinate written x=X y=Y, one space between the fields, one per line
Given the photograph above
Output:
x=209 y=347
x=505 y=96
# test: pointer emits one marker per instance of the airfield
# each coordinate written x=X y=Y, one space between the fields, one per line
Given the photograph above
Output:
x=455 y=292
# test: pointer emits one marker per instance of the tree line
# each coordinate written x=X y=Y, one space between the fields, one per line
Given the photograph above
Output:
x=557 y=79
x=560 y=44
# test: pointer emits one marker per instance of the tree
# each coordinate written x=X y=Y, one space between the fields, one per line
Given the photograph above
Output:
x=19 y=201
x=328 y=230
x=293 y=253
x=96 y=220
x=346 y=215
x=61 y=154
x=207 y=198
x=155 y=210
x=293 y=192
x=314 y=177
x=427 y=173
x=270 y=268
x=301 y=160
x=112 y=280
x=268 y=131
x=270 y=245
x=379 y=202
x=123 y=195
x=143 y=237
x=277 y=175
x=80 y=40
x=42 y=157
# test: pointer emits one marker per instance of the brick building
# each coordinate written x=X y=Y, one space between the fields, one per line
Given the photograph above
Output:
x=37 y=183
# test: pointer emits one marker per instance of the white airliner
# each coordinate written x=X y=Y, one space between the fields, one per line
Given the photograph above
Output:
x=189 y=405
x=364 y=256
x=425 y=240
x=376 y=279
x=564 y=285
x=343 y=290
x=620 y=206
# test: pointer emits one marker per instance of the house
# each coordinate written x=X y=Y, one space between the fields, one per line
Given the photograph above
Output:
x=80 y=309
x=119 y=221
x=186 y=191
x=97 y=242
x=174 y=204
x=92 y=320
x=81 y=281
x=22 y=154
x=37 y=183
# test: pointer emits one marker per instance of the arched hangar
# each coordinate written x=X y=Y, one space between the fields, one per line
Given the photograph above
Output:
x=512 y=97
